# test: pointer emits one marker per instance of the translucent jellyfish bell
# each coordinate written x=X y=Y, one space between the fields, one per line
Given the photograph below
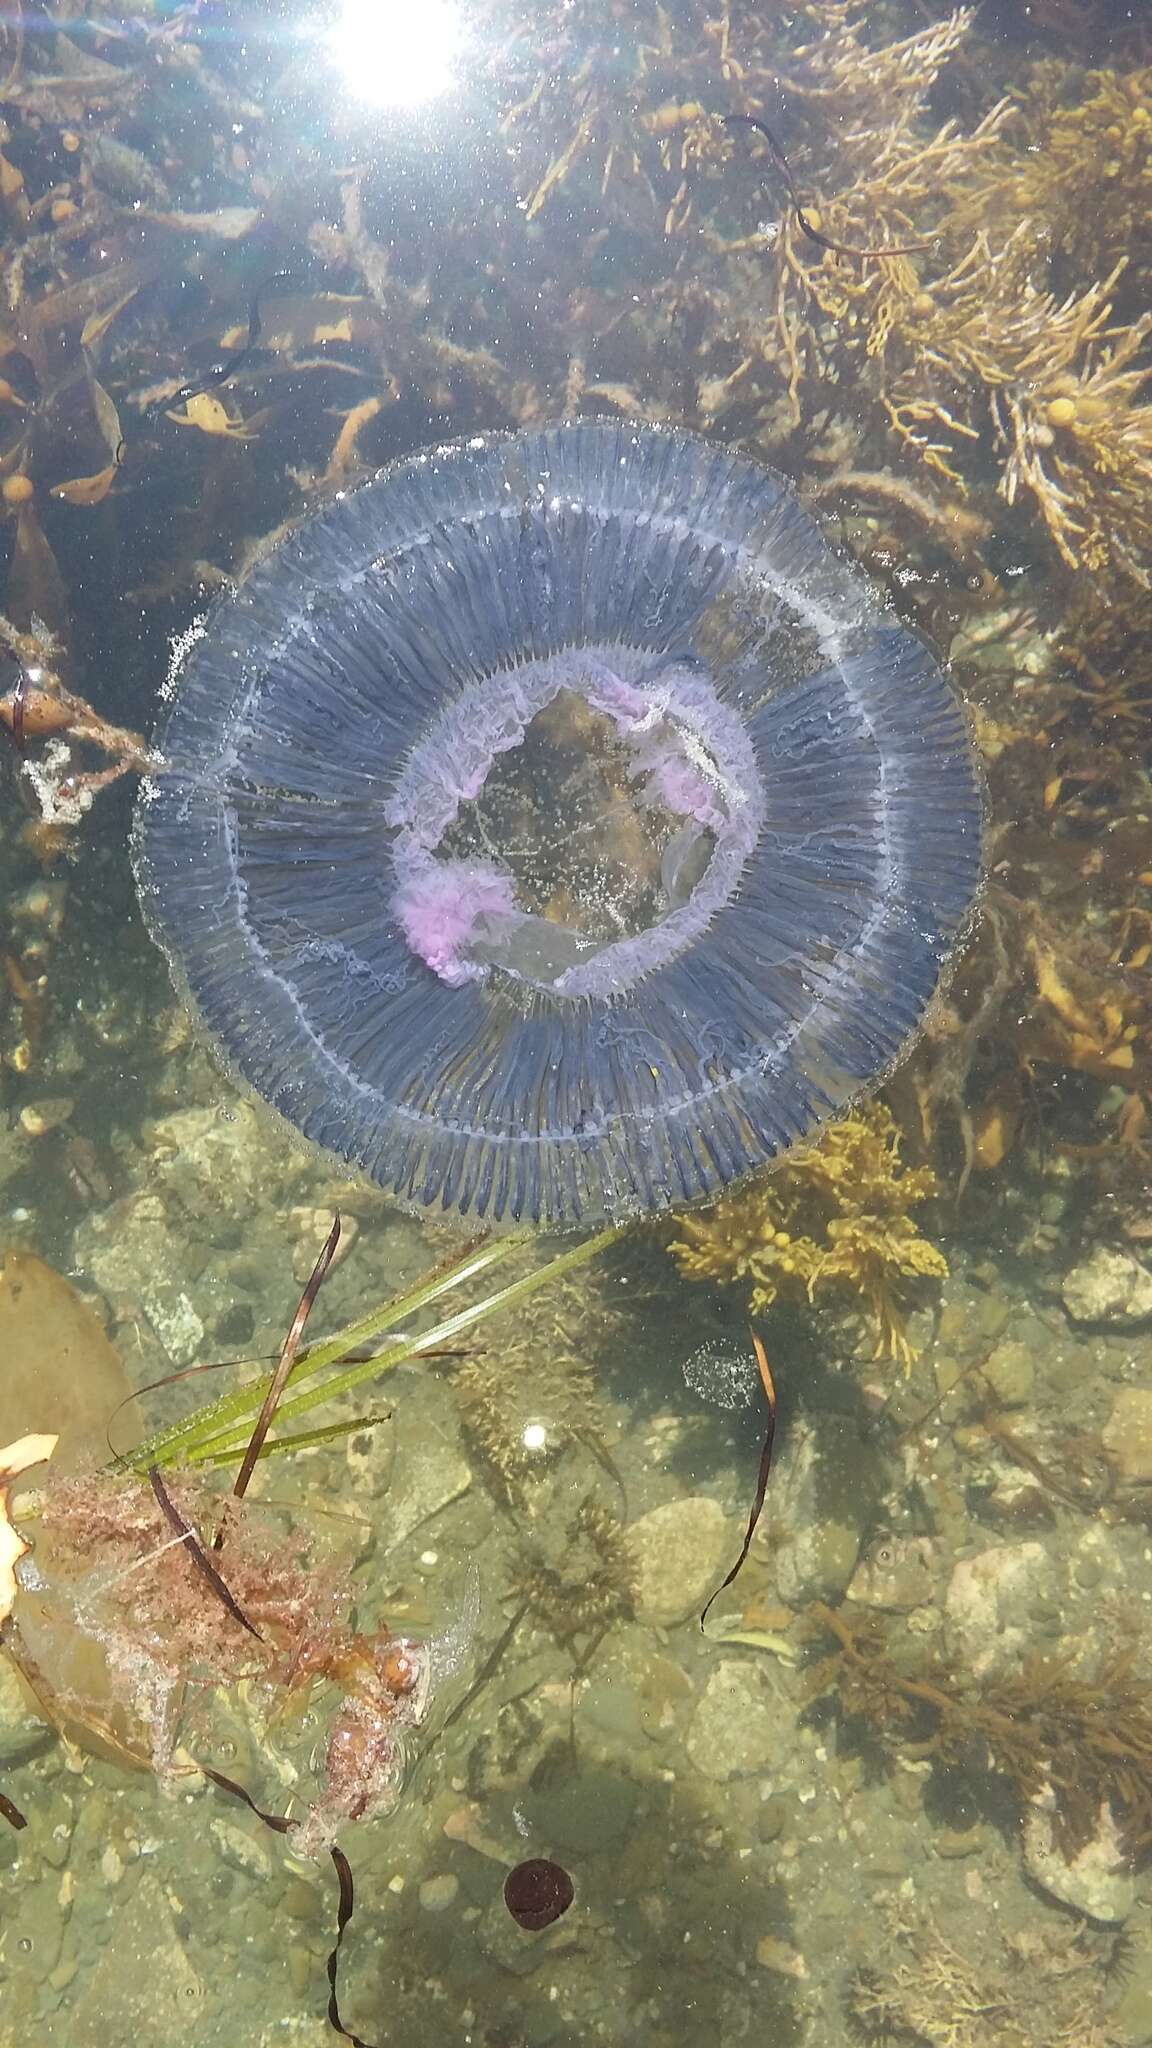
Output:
x=556 y=829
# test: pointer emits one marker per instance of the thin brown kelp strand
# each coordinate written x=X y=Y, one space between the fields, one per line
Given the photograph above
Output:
x=814 y=234
x=286 y=1361
x=343 y=1915
x=202 y=1562
x=346 y=1904
x=12 y=1813
x=278 y=1821
x=768 y=1384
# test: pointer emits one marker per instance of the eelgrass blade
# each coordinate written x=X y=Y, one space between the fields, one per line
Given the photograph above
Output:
x=298 y=1440
x=242 y=1405
x=217 y=1440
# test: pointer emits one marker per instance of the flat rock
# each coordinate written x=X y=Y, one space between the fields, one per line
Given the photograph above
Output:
x=736 y=1728
x=139 y=1260
x=427 y=1478
x=680 y=1552
x=1097 y=1881
x=1109 y=1287
x=1127 y=1434
x=142 y=1985
x=823 y=1494
x=990 y=1604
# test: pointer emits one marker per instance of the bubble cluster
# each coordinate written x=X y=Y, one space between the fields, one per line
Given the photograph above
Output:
x=722 y=1372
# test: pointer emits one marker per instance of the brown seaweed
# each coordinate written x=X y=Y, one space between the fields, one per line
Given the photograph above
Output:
x=202 y=1562
x=769 y=1387
x=1085 y=1735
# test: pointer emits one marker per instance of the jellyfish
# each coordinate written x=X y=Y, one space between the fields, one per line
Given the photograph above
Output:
x=555 y=828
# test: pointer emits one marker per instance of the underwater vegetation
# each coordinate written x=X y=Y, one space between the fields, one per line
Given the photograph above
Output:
x=113 y=1651
x=578 y=1580
x=152 y=1615
x=1078 y=1740
x=1029 y=1989
x=832 y=1214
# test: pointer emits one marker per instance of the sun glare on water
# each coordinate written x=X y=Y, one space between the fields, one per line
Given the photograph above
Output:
x=392 y=54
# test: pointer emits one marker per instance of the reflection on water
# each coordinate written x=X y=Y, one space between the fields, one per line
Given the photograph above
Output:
x=899 y=1787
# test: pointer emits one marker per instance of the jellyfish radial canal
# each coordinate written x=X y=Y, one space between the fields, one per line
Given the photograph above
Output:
x=555 y=829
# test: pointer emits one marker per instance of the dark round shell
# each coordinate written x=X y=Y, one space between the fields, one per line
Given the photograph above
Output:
x=538 y=1892
x=268 y=842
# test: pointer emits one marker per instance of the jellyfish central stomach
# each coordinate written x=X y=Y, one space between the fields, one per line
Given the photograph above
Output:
x=580 y=821
x=574 y=822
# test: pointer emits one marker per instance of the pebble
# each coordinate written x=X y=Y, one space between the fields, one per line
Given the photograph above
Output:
x=736 y=1728
x=954 y=1843
x=772 y=1818
x=436 y=1894
x=780 y=1956
x=310 y=1228
x=679 y=1553
x=38 y=1118
x=1110 y=1287
x=895 y=1574
x=1127 y=1434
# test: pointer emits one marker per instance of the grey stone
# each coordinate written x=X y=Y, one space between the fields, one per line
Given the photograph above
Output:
x=735 y=1730
x=825 y=1490
x=895 y=1574
x=817 y=1563
x=1011 y=1370
x=679 y=1551
x=516 y=1949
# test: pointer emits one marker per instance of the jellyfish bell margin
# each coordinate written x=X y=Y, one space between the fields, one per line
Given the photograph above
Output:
x=715 y=917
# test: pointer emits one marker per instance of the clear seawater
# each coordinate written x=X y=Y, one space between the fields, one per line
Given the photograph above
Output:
x=755 y=1855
